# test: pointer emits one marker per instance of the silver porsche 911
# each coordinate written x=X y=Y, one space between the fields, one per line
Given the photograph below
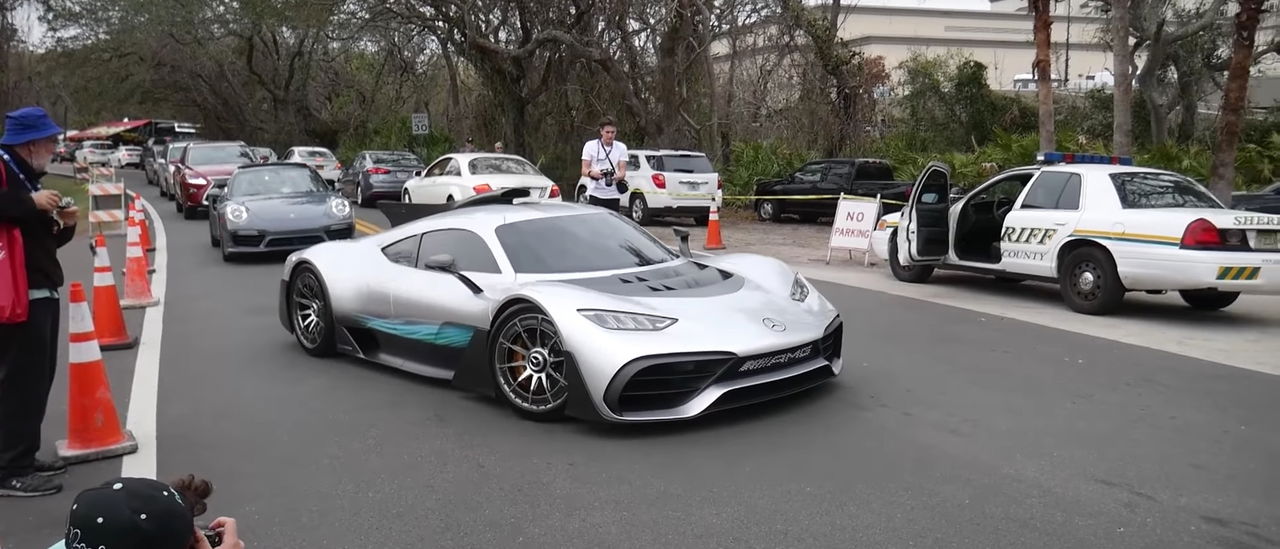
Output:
x=562 y=309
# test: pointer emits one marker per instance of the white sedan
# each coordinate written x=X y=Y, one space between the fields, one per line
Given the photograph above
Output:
x=126 y=156
x=1096 y=226
x=463 y=175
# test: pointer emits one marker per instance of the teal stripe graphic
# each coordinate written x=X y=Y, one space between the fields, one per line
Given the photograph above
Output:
x=444 y=334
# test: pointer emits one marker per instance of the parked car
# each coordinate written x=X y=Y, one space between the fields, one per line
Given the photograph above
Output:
x=666 y=183
x=463 y=175
x=151 y=154
x=95 y=152
x=829 y=178
x=203 y=164
x=319 y=158
x=125 y=156
x=378 y=174
x=1266 y=200
x=264 y=154
x=65 y=151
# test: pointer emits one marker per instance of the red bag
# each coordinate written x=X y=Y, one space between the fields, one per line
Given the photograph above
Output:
x=14 y=301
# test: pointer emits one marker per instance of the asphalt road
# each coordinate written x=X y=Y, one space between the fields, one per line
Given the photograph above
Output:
x=948 y=428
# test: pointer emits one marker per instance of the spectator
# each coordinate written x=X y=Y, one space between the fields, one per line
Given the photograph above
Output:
x=29 y=349
x=599 y=157
x=468 y=147
x=145 y=513
x=499 y=147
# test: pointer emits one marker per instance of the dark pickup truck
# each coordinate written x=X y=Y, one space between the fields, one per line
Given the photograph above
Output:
x=829 y=177
x=1265 y=201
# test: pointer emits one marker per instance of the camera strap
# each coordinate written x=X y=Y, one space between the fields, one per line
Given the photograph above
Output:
x=33 y=187
x=600 y=147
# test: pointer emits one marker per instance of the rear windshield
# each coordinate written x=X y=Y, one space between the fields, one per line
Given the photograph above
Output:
x=496 y=165
x=681 y=163
x=227 y=154
x=396 y=160
x=580 y=243
x=101 y=146
x=1157 y=190
x=323 y=155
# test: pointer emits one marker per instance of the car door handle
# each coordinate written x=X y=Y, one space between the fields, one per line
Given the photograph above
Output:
x=1060 y=223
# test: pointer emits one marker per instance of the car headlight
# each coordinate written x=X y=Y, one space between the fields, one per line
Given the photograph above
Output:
x=799 y=288
x=237 y=213
x=340 y=207
x=197 y=181
x=617 y=320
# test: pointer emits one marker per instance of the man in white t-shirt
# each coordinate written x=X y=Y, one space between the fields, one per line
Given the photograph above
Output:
x=598 y=157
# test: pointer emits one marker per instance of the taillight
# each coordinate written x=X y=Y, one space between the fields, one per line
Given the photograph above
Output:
x=482 y=188
x=555 y=191
x=337 y=166
x=719 y=184
x=377 y=171
x=659 y=181
x=1201 y=233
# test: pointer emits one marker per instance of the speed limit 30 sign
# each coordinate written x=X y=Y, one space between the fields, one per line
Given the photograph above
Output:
x=421 y=124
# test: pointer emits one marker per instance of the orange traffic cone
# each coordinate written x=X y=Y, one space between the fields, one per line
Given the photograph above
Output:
x=93 y=424
x=107 y=316
x=137 y=289
x=144 y=231
x=713 y=230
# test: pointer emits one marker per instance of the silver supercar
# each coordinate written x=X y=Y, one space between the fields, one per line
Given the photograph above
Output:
x=562 y=309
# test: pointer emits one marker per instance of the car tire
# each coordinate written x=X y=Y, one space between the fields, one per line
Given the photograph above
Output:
x=214 y=241
x=769 y=211
x=406 y=198
x=361 y=199
x=545 y=367
x=1208 y=300
x=448 y=199
x=307 y=285
x=177 y=205
x=914 y=274
x=1089 y=282
x=227 y=256
x=581 y=196
x=702 y=220
x=189 y=212
x=639 y=210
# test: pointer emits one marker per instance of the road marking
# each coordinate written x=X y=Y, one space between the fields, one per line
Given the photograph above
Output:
x=367 y=227
x=141 y=419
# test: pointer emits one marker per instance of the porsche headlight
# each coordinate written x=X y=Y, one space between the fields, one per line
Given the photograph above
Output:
x=340 y=207
x=799 y=288
x=237 y=213
x=617 y=320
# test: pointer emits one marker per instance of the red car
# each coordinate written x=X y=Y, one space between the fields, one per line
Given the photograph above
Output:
x=203 y=164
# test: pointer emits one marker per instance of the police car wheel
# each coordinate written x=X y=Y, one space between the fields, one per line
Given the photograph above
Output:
x=1208 y=300
x=1089 y=283
x=914 y=274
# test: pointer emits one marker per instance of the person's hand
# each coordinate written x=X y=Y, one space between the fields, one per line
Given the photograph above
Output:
x=69 y=216
x=230 y=537
x=594 y=174
x=47 y=200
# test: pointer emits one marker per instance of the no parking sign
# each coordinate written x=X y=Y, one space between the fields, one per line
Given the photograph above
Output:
x=852 y=227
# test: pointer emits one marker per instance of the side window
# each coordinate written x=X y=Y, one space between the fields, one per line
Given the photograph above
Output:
x=437 y=169
x=633 y=163
x=810 y=173
x=933 y=190
x=655 y=163
x=839 y=173
x=470 y=252
x=453 y=168
x=403 y=251
x=1053 y=191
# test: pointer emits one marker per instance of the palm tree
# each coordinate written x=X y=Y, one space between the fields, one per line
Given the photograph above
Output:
x=1222 y=173
x=1042 y=66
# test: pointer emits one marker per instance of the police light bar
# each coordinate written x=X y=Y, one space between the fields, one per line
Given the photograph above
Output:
x=1082 y=158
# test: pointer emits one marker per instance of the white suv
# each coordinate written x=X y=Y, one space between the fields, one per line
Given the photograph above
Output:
x=666 y=183
x=95 y=152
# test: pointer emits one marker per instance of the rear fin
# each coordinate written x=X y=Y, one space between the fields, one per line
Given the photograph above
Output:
x=400 y=213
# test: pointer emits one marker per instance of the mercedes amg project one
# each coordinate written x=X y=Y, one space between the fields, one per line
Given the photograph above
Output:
x=562 y=309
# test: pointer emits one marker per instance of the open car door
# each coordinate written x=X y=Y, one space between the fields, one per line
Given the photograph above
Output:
x=928 y=224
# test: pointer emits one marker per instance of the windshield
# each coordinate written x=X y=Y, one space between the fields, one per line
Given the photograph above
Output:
x=269 y=181
x=315 y=154
x=580 y=243
x=220 y=154
x=681 y=163
x=497 y=165
x=396 y=159
x=1158 y=190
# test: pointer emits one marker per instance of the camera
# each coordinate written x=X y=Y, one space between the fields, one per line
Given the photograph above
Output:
x=66 y=202
x=607 y=174
x=213 y=536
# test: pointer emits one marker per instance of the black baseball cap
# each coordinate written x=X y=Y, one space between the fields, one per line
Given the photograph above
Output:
x=130 y=512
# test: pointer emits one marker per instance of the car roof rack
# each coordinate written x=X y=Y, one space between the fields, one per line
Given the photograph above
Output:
x=400 y=213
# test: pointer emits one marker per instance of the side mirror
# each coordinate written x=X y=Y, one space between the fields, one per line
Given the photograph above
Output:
x=214 y=193
x=417 y=173
x=442 y=262
x=683 y=234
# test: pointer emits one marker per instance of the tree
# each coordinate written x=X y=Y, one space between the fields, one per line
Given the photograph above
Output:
x=1234 y=99
x=1121 y=59
x=1151 y=22
x=838 y=61
x=1044 y=75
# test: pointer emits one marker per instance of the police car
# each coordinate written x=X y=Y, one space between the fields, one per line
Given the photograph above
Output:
x=1097 y=226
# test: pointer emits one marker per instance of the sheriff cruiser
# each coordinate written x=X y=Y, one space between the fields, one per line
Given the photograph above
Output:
x=1097 y=226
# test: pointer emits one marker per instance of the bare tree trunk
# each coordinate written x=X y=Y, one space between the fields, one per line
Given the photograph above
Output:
x=1044 y=74
x=836 y=62
x=1222 y=173
x=1121 y=60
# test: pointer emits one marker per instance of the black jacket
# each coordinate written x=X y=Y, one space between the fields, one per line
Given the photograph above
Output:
x=41 y=237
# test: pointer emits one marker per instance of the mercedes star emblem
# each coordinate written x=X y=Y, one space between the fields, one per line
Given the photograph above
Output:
x=774 y=324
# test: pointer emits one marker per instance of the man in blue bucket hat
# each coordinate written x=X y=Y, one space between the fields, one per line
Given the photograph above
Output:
x=29 y=349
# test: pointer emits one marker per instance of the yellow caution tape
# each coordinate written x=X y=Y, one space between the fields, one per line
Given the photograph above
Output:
x=754 y=197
